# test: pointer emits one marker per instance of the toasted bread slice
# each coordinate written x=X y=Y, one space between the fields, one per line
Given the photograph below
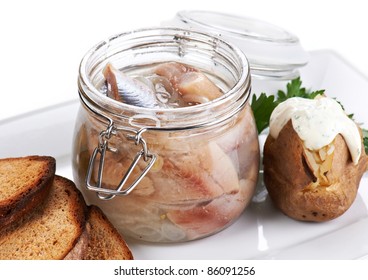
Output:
x=80 y=248
x=24 y=184
x=50 y=231
x=105 y=242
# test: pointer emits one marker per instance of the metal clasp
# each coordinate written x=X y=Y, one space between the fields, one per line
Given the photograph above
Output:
x=102 y=148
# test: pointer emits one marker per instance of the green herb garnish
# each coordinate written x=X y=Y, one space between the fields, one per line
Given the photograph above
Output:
x=295 y=89
x=263 y=105
x=365 y=140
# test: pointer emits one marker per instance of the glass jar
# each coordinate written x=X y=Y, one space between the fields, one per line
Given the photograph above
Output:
x=275 y=55
x=167 y=175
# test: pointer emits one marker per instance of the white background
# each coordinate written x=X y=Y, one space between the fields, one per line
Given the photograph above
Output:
x=42 y=42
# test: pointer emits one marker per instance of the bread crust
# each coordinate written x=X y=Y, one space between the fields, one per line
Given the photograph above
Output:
x=78 y=216
x=80 y=248
x=105 y=242
x=32 y=194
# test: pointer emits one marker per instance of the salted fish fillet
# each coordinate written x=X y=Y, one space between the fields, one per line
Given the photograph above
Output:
x=190 y=177
x=193 y=85
x=206 y=219
x=126 y=89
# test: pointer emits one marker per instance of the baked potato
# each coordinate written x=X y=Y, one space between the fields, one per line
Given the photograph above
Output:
x=311 y=185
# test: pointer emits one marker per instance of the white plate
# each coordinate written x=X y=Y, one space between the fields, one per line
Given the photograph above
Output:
x=261 y=232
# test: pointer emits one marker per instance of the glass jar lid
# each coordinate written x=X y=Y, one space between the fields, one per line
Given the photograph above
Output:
x=271 y=50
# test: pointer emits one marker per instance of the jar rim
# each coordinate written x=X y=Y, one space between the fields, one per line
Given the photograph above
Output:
x=94 y=98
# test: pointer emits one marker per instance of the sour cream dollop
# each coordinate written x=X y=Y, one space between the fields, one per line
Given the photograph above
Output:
x=317 y=122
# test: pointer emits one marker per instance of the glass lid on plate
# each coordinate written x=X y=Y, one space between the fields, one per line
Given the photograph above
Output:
x=271 y=50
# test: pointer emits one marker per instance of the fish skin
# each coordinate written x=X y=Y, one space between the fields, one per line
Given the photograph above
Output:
x=128 y=90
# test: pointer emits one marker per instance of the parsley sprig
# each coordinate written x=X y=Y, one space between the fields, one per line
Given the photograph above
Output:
x=365 y=140
x=264 y=104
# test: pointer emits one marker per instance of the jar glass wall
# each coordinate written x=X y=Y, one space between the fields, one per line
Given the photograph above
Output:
x=197 y=166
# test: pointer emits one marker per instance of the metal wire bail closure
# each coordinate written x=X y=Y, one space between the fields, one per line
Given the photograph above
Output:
x=103 y=146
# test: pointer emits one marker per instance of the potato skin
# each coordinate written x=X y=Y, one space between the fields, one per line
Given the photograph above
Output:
x=288 y=178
